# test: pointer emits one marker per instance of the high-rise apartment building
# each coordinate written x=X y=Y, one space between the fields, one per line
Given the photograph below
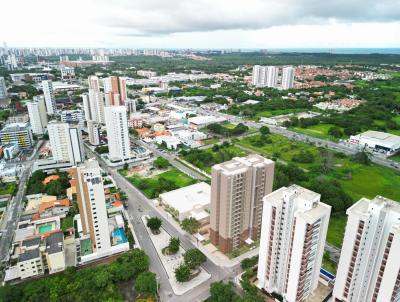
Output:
x=93 y=104
x=369 y=265
x=66 y=142
x=287 y=77
x=115 y=90
x=93 y=82
x=267 y=76
x=3 y=88
x=94 y=130
x=49 y=96
x=117 y=133
x=237 y=189
x=37 y=114
x=294 y=227
x=92 y=205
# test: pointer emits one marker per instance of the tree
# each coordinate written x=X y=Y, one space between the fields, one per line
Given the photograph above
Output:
x=362 y=158
x=133 y=131
x=161 y=163
x=335 y=132
x=194 y=258
x=126 y=166
x=154 y=223
x=190 y=225
x=304 y=156
x=249 y=262
x=264 y=130
x=146 y=283
x=173 y=246
x=182 y=273
x=222 y=292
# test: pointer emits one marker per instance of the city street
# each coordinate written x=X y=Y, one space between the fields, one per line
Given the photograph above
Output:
x=140 y=205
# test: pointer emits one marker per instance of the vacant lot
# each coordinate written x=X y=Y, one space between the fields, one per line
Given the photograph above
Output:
x=319 y=131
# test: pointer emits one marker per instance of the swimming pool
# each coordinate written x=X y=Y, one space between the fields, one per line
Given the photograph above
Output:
x=119 y=236
x=45 y=228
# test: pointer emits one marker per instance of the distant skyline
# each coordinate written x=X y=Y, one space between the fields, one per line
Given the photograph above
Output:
x=201 y=23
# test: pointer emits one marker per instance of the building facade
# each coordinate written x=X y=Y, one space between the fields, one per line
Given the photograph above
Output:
x=49 y=97
x=17 y=133
x=92 y=205
x=3 y=88
x=294 y=227
x=94 y=131
x=66 y=143
x=369 y=266
x=37 y=115
x=237 y=189
x=93 y=104
x=117 y=133
x=287 y=77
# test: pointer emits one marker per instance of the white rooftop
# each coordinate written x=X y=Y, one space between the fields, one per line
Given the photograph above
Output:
x=382 y=137
x=188 y=198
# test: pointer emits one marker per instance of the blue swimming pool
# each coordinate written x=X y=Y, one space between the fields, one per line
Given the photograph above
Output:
x=119 y=236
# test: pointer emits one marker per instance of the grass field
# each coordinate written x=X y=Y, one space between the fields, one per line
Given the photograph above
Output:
x=153 y=186
x=319 y=131
x=278 y=112
x=337 y=224
x=8 y=188
x=356 y=179
x=213 y=157
x=281 y=147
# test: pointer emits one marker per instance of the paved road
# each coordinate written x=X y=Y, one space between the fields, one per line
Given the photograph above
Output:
x=15 y=208
x=172 y=159
x=139 y=205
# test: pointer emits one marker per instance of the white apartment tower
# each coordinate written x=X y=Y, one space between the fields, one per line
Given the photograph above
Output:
x=37 y=115
x=92 y=205
x=287 y=77
x=94 y=130
x=3 y=88
x=265 y=76
x=117 y=133
x=49 y=96
x=66 y=143
x=93 y=104
x=293 y=233
x=369 y=265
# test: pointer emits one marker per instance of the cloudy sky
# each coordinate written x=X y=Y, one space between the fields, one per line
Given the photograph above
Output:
x=201 y=23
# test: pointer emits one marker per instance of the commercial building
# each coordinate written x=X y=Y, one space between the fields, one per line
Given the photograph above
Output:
x=49 y=97
x=117 y=133
x=198 y=122
x=3 y=88
x=237 y=189
x=369 y=266
x=37 y=115
x=146 y=73
x=287 y=77
x=94 y=131
x=377 y=141
x=92 y=205
x=18 y=133
x=66 y=143
x=10 y=150
x=191 y=201
x=294 y=227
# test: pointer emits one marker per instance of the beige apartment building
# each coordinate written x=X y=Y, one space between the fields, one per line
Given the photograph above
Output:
x=237 y=189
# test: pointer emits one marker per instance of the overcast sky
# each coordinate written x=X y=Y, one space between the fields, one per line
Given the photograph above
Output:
x=201 y=23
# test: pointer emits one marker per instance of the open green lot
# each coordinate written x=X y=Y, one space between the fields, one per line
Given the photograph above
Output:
x=206 y=158
x=357 y=180
x=164 y=182
x=8 y=188
x=319 y=131
x=278 y=112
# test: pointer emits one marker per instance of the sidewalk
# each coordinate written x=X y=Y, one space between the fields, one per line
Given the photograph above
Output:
x=171 y=262
x=212 y=253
